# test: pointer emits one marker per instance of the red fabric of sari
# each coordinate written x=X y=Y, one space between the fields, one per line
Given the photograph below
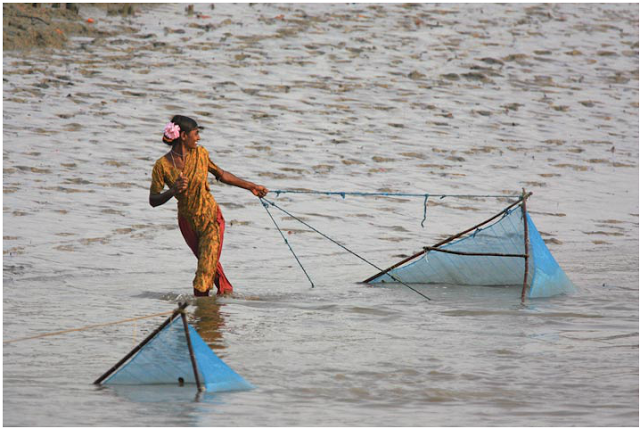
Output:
x=221 y=281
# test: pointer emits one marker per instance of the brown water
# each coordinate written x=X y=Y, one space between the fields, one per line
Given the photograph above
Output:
x=397 y=98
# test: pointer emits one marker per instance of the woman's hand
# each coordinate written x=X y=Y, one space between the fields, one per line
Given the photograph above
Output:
x=181 y=184
x=178 y=187
x=259 y=191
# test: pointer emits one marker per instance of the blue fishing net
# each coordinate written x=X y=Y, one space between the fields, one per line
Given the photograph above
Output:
x=214 y=373
x=166 y=360
x=506 y=236
x=548 y=278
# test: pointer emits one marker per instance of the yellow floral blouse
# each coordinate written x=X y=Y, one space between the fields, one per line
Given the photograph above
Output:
x=197 y=199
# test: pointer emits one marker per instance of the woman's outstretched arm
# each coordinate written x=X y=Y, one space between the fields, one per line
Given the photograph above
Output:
x=231 y=179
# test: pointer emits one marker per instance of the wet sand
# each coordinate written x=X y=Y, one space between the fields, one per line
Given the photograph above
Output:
x=44 y=26
x=479 y=99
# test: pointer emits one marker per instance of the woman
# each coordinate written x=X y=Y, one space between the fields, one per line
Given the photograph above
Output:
x=184 y=170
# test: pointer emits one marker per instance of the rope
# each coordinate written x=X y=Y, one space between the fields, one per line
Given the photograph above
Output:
x=86 y=327
x=390 y=194
x=424 y=216
x=333 y=241
x=266 y=207
x=386 y=194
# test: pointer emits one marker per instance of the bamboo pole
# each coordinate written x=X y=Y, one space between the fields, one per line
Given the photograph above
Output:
x=135 y=350
x=191 y=354
x=445 y=241
x=526 y=245
x=453 y=252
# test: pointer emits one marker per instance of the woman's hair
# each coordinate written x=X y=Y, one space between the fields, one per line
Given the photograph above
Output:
x=185 y=123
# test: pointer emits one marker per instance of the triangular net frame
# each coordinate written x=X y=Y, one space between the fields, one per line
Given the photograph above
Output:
x=507 y=252
x=175 y=354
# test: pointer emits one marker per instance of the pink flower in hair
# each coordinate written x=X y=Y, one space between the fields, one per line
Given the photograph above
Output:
x=172 y=131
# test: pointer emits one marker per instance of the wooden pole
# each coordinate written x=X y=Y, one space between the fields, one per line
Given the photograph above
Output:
x=526 y=245
x=453 y=252
x=445 y=241
x=193 y=356
x=177 y=311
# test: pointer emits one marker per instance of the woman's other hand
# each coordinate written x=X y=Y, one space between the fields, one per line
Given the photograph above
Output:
x=181 y=184
x=259 y=191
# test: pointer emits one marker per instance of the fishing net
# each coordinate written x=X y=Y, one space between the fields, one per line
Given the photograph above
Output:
x=165 y=359
x=505 y=241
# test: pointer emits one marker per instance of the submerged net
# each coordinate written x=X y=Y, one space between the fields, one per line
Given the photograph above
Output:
x=505 y=237
x=166 y=360
x=548 y=278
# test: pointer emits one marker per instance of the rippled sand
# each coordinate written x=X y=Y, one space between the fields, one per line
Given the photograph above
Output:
x=479 y=99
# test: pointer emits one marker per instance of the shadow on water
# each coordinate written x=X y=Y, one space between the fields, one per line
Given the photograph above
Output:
x=163 y=394
x=208 y=319
x=204 y=314
x=159 y=393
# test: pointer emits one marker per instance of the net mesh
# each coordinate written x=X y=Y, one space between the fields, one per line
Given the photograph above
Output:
x=166 y=360
x=506 y=236
x=548 y=278
x=214 y=373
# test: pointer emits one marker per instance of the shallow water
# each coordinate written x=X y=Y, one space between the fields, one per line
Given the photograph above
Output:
x=479 y=99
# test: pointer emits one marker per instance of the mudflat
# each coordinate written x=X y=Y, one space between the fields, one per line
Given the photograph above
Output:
x=26 y=26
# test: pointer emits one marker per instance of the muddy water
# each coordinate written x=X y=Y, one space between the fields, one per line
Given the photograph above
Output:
x=398 y=98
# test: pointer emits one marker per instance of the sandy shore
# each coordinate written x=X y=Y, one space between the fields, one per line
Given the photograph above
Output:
x=49 y=25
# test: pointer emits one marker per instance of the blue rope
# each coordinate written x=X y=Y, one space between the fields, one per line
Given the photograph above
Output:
x=386 y=194
x=263 y=200
x=389 y=194
x=266 y=207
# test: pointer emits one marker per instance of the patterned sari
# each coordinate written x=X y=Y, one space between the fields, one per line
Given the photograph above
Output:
x=199 y=217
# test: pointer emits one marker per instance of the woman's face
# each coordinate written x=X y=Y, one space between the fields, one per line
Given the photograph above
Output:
x=191 y=139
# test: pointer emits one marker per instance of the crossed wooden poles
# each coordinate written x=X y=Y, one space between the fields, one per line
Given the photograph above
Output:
x=177 y=312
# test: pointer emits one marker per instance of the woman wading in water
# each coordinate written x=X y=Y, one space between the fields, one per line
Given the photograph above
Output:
x=184 y=169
